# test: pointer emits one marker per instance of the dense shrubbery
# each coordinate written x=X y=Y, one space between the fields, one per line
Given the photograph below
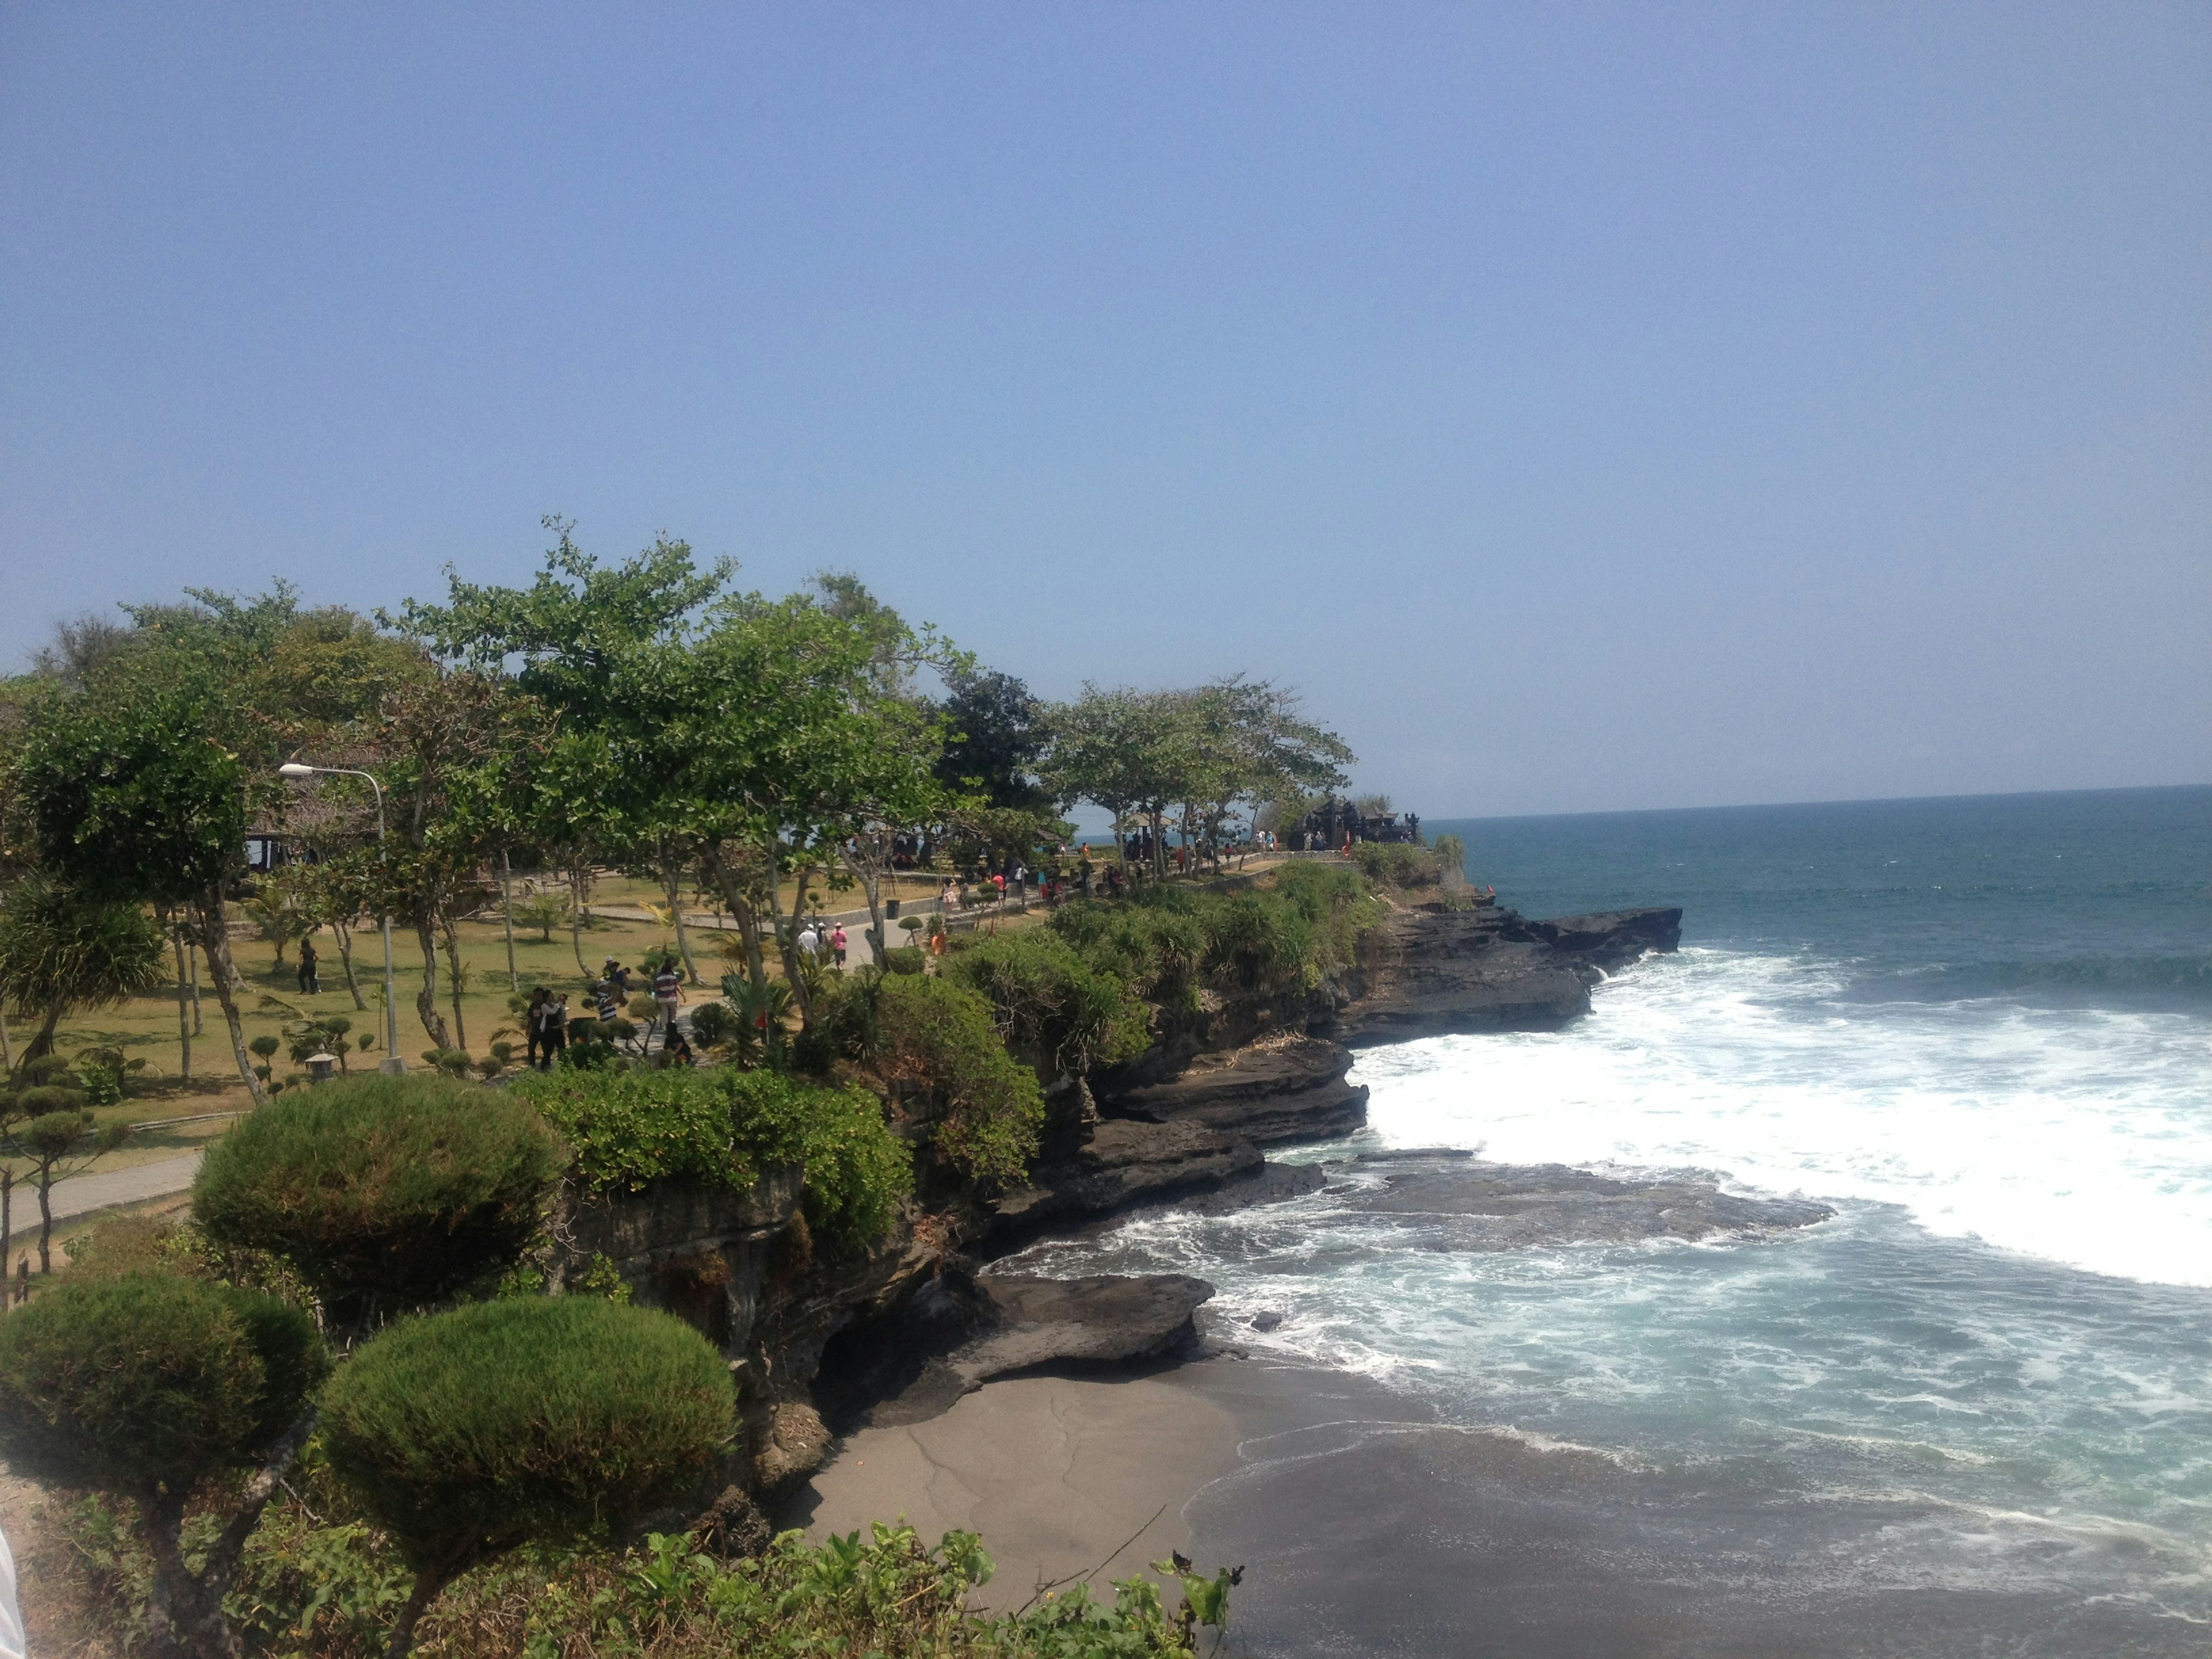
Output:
x=935 y=1039
x=546 y=1418
x=318 y=1583
x=382 y=1190
x=1397 y=864
x=724 y=1127
x=1052 y=1005
x=1289 y=935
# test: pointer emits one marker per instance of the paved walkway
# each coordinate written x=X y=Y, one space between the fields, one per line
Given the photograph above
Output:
x=103 y=1188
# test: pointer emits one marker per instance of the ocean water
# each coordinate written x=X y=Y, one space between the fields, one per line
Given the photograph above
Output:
x=1981 y=1030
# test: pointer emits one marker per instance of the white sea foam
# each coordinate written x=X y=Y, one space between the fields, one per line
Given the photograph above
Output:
x=2081 y=1136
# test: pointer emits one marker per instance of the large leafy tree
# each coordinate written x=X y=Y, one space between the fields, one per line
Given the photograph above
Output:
x=759 y=733
x=132 y=797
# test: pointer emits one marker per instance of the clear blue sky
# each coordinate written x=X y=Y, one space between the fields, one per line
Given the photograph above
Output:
x=1588 y=407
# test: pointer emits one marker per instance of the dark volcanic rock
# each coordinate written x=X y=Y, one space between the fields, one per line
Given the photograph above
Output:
x=1285 y=1088
x=1498 y=1206
x=1124 y=1162
x=1106 y=1320
x=1610 y=938
x=961 y=1332
x=1493 y=969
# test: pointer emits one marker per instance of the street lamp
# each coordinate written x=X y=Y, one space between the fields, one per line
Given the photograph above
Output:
x=299 y=772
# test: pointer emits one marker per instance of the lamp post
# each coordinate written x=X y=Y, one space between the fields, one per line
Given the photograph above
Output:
x=298 y=772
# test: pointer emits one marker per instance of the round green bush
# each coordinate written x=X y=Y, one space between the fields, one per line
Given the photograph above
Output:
x=146 y=1381
x=712 y=1022
x=535 y=1417
x=394 y=1189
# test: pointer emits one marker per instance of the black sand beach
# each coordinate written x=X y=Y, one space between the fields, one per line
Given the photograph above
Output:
x=1365 y=1528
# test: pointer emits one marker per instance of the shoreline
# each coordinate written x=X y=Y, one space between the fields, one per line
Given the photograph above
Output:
x=1065 y=1478
x=1368 y=1523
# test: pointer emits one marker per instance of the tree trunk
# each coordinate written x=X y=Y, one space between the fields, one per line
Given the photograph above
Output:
x=741 y=912
x=425 y=999
x=345 y=936
x=42 y=1041
x=577 y=888
x=185 y=1609
x=786 y=939
x=45 y=1180
x=456 y=979
x=6 y=1223
x=215 y=939
x=6 y=1045
x=676 y=915
x=427 y=1582
x=870 y=871
x=192 y=962
x=506 y=915
x=183 y=1014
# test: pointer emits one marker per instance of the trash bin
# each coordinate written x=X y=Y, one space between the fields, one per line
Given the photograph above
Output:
x=890 y=909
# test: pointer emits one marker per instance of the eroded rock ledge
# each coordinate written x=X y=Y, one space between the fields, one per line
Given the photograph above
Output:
x=1458 y=1202
x=1438 y=972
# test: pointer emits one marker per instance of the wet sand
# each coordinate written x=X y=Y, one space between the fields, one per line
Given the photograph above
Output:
x=1367 y=1527
x=1064 y=1477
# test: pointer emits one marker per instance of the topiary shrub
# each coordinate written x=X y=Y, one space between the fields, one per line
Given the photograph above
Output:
x=713 y=1024
x=382 y=1191
x=465 y=1434
x=150 y=1387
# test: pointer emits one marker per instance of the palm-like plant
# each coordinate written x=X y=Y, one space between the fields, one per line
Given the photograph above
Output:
x=762 y=1012
x=544 y=912
x=276 y=917
x=61 y=954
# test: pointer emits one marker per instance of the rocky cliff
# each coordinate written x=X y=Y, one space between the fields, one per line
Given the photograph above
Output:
x=817 y=1340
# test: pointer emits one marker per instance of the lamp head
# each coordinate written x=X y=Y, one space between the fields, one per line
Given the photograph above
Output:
x=294 y=769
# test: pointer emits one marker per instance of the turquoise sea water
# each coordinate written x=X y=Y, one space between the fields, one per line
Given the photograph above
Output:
x=1982 y=1030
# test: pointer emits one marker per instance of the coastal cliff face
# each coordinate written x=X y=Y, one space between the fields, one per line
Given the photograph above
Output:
x=1436 y=971
x=907 y=1327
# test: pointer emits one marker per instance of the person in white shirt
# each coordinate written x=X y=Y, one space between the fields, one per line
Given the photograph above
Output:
x=810 y=940
x=12 y=1645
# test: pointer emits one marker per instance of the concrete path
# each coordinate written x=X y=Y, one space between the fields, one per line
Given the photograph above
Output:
x=103 y=1188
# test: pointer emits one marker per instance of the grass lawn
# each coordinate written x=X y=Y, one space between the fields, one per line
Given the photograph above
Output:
x=146 y=1027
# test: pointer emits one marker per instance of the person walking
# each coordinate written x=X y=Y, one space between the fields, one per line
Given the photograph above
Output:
x=533 y=1024
x=556 y=1029
x=311 y=979
x=668 y=991
x=810 y=941
x=837 y=944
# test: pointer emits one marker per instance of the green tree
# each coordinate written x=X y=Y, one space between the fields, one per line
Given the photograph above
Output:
x=132 y=797
x=58 y=1141
x=466 y=1434
x=933 y=1046
x=544 y=912
x=62 y=953
x=153 y=1388
x=759 y=732
x=277 y=917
